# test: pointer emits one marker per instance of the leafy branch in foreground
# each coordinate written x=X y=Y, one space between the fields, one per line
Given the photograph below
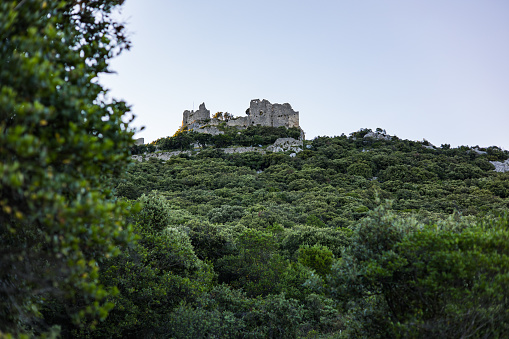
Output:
x=61 y=142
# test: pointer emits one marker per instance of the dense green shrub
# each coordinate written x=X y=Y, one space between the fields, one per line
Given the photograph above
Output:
x=319 y=258
x=62 y=143
x=224 y=312
x=210 y=242
x=437 y=280
x=128 y=190
x=252 y=136
x=361 y=169
x=225 y=213
x=156 y=212
x=269 y=224
x=334 y=239
x=153 y=277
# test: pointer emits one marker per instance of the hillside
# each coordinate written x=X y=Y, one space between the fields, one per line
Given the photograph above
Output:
x=417 y=176
x=234 y=227
x=359 y=236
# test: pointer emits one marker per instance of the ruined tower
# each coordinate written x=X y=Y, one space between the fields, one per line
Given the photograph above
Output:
x=260 y=112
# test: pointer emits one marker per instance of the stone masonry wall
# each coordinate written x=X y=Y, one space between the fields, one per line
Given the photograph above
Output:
x=260 y=112
x=264 y=113
x=201 y=114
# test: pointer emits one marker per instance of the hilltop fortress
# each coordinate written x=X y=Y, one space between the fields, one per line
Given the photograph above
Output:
x=259 y=113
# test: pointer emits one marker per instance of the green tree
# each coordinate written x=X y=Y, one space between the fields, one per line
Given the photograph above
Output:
x=153 y=276
x=61 y=142
x=360 y=168
x=316 y=257
x=445 y=280
x=155 y=215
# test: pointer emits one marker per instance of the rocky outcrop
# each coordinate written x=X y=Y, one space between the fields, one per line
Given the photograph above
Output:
x=213 y=130
x=501 y=166
x=478 y=151
x=280 y=145
x=286 y=144
x=378 y=135
x=162 y=155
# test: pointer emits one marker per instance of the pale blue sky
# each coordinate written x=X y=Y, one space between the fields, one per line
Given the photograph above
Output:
x=433 y=69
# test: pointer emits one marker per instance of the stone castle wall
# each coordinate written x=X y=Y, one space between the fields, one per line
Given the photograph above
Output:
x=260 y=112
x=200 y=115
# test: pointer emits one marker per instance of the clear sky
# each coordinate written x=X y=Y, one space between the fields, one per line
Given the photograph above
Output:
x=432 y=69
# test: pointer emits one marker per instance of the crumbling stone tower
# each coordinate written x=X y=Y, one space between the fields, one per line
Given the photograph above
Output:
x=201 y=114
x=262 y=112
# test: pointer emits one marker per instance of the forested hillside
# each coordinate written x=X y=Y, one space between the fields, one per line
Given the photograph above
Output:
x=352 y=237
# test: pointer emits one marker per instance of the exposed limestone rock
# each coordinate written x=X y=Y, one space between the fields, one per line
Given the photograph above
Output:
x=280 y=145
x=163 y=155
x=139 y=141
x=286 y=144
x=231 y=150
x=501 y=166
x=478 y=151
x=378 y=135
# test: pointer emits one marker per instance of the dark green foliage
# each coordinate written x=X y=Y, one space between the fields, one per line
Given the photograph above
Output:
x=210 y=242
x=153 y=276
x=361 y=169
x=128 y=190
x=61 y=144
x=224 y=311
x=228 y=313
x=252 y=136
x=438 y=280
x=334 y=239
x=272 y=224
x=190 y=322
x=140 y=149
x=225 y=213
x=226 y=245
x=155 y=214
x=319 y=258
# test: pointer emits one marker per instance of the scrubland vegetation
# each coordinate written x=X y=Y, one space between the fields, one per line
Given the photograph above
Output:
x=352 y=237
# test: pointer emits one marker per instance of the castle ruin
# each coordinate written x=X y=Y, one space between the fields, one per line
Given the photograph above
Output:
x=259 y=113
